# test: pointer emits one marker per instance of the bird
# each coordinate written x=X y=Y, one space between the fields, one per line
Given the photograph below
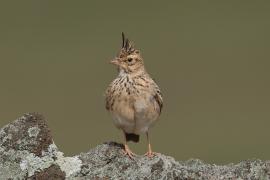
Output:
x=133 y=98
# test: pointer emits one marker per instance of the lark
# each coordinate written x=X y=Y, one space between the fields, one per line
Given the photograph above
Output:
x=133 y=98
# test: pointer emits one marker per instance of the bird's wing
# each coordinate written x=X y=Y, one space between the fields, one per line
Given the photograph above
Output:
x=108 y=107
x=159 y=101
x=109 y=100
x=158 y=96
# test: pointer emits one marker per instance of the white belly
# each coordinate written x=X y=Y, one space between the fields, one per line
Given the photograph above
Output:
x=135 y=118
x=122 y=123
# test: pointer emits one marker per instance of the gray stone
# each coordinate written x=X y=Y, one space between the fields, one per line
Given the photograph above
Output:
x=27 y=151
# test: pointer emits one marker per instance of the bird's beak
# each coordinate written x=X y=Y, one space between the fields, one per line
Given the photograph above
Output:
x=114 y=61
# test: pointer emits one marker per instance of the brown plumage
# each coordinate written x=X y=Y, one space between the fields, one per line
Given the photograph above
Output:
x=133 y=98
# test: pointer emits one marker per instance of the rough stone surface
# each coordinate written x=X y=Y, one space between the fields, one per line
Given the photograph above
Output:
x=27 y=151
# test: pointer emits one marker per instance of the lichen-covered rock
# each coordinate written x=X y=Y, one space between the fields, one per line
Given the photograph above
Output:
x=27 y=151
x=108 y=161
x=30 y=132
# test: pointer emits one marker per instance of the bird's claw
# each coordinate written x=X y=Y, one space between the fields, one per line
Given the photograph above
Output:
x=128 y=152
x=150 y=154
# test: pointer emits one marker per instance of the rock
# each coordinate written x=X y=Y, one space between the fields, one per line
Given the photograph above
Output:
x=27 y=151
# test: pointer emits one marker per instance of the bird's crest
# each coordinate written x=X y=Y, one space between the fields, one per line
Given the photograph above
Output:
x=127 y=45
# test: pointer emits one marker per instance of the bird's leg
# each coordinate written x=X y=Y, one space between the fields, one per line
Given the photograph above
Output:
x=127 y=151
x=149 y=153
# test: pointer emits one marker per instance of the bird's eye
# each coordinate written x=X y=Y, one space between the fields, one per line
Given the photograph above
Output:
x=130 y=59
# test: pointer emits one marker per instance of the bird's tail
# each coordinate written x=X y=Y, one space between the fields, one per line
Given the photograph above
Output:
x=132 y=137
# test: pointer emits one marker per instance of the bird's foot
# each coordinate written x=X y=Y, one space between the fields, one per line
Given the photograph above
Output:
x=128 y=152
x=150 y=154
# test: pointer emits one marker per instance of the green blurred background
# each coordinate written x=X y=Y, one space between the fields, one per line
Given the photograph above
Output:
x=210 y=58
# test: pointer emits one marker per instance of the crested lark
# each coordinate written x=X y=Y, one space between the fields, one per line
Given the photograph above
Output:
x=133 y=98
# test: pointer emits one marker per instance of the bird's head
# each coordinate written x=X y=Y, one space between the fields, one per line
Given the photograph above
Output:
x=129 y=59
